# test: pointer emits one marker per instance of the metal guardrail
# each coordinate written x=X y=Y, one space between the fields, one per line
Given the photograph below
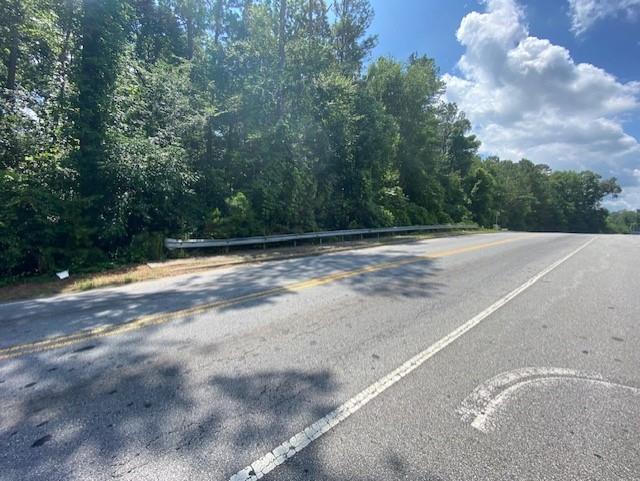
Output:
x=172 y=244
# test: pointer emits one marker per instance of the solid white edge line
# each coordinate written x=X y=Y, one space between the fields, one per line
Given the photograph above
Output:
x=299 y=441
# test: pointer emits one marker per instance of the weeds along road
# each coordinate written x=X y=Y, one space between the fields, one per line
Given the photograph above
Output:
x=492 y=356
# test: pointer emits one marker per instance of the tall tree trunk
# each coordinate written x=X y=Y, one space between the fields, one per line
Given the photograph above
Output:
x=342 y=9
x=14 y=46
x=208 y=135
x=190 y=34
x=246 y=9
x=281 y=33
x=62 y=59
x=102 y=33
x=219 y=20
x=281 y=56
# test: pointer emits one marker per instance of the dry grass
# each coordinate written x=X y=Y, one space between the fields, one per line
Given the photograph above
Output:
x=144 y=272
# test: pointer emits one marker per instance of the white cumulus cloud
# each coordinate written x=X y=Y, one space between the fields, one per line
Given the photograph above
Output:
x=584 y=13
x=526 y=97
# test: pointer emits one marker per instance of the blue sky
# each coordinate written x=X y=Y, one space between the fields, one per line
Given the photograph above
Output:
x=518 y=58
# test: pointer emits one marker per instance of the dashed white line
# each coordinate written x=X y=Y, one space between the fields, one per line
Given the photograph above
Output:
x=299 y=441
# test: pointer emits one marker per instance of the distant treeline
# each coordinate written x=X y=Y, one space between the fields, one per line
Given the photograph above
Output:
x=122 y=121
x=624 y=222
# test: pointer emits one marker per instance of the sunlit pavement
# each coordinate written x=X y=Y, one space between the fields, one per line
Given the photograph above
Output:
x=542 y=384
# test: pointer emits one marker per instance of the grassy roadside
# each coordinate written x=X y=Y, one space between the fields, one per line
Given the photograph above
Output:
x=46 y=286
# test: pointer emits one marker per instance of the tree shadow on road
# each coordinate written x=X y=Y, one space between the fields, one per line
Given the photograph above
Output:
x=136 y=403
x=311 y=464
x=124 y=414
x=399 y=276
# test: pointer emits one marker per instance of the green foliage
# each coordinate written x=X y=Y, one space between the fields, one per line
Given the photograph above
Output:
x=624 y=221
x=124 y=122
x=532 y=197
x=353 y=19
x=35 y=233
x=146 y=246
x=482 y=189
x=238 y=220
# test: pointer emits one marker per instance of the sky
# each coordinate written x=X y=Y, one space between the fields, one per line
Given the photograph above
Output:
x=554 y=81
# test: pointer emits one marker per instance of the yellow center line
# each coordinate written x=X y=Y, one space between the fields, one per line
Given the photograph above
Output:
x=164 y=317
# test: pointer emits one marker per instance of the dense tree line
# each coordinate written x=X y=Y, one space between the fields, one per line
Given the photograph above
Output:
x=624 y=221
x=123 y=121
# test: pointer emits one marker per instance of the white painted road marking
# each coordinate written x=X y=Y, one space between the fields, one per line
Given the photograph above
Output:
x=476 y=402
x=482 y=405
x=299 y=441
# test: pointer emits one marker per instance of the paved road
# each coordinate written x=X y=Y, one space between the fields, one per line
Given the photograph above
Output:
x=485 y=357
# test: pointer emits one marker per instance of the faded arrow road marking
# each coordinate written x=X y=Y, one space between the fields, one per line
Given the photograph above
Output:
x=482 y=405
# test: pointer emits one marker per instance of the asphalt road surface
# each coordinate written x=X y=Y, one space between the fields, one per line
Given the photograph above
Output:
x=485 y=357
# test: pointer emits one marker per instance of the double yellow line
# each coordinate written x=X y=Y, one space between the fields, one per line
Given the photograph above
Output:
x=161 y=318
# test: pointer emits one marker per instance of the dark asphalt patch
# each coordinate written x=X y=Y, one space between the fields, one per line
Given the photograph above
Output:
x=39 y=442
x=85 y=348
